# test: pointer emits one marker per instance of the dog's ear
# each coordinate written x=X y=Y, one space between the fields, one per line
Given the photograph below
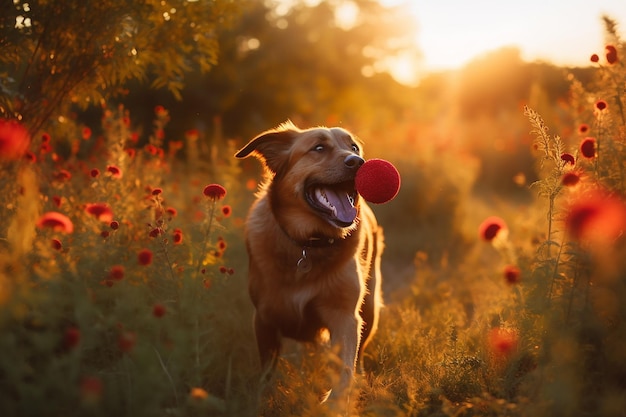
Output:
x=272 y=146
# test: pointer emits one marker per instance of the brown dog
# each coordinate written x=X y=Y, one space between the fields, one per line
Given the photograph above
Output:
x=314 y=247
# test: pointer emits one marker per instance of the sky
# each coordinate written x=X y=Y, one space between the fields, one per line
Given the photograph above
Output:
x=450 y=33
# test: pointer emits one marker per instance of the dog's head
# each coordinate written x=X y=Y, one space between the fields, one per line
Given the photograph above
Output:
x=311 y=174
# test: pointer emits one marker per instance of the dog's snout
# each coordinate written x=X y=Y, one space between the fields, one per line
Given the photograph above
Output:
x=353 y=161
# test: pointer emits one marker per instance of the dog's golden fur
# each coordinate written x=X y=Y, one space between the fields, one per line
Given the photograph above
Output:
x=311 y=267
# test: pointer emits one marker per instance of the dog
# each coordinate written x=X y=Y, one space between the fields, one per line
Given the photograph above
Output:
x=314 y=246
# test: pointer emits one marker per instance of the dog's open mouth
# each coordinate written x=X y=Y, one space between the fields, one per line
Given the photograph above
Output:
x=336 y=202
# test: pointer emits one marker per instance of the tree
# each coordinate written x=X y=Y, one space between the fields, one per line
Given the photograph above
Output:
x=54 y=53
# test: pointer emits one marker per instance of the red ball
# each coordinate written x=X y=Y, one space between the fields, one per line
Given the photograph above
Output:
x=378 y=181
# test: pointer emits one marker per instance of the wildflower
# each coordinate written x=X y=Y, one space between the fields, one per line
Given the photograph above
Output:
x=63 y=175
x=198 y=394
x=114 y=225
x=583 y=128
x=56 y=221
x=171 y=211
x=158 y=310
x=491 y=227
x=130 y=152
x=223 y=269
x=177 y=238
x=95 y=173
x=157 y=191
x=594 y=58
x=226 y=211
x=45 y=138
x=134 y=137
x=100 y=211
x=14 y=140
x=160 y=111
x=71 y=337
x=611 y=54
x=105 y=234
x=56 y=244
x=56 y=200
x=116 y=272
x=601 y=105
x=597 y=217
x=192 y=134
x=502 y=342
x=126 y=341
x=588 y=147
x=155 y=232
x=91 y=389
x=115 y=171
x=570 y=179
x=512 y=274
x=86 y=133
x=568 y=159
x=144 y=257
x=214 y=191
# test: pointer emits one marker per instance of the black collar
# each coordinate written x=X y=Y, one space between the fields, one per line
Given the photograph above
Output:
x=312 y=242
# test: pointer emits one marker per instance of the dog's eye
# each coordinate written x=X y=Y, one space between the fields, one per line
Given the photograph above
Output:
x=318 y=148
x=355 y=148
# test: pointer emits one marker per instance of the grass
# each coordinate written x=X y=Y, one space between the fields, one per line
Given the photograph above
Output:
x=141 y=308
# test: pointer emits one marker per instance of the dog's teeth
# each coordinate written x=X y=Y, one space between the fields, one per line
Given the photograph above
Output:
x=351 y=200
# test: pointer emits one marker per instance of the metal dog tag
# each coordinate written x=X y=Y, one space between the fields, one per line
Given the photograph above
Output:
x=304 y=263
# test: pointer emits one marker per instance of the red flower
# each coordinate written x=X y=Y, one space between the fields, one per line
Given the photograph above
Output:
x=115 y=171
x=598 y=218
x=86 y=133
x=144 y=257
x=114 y=225
x=127 y=341
x=611 y=54
x=160 y=111
x=157 y=191
x=594 y=58
x=171 y=211
x=91 y=388
x=568 y=159
x=45 y=138
x=100 y=211
x=56 y=200
x=177 y=238
x=601 y=105
x=117 y=272
x=583 y=128
x=14 y=140
x=512 y=274
x=226 y=211
x=570 y=179
x=63 y=175
x=56 y=244
x=56 y=221
x=588 y=147
x=95 y=173
x=502 y=342
x=214 y=191
x=158 y=310
x=490 y=228
x=71 y=337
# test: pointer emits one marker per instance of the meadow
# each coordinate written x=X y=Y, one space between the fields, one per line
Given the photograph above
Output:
x=123 y=287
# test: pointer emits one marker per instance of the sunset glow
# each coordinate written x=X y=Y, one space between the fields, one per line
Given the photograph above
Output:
x=450 y=33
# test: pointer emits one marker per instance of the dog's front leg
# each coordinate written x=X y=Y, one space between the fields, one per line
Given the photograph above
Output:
x=268 y=343
x=345 y=330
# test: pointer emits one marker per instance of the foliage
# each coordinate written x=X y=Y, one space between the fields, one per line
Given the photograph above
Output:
x=56 y=53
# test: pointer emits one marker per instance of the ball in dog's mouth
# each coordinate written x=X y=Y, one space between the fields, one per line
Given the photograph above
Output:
x=335 y=202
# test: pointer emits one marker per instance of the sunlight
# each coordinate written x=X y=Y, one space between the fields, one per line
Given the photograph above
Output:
x=557 y=32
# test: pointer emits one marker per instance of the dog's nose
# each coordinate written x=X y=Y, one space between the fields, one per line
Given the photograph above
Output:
x=353 y=161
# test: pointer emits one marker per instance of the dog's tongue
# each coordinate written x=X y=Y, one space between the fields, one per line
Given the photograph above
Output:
x=345 y=210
